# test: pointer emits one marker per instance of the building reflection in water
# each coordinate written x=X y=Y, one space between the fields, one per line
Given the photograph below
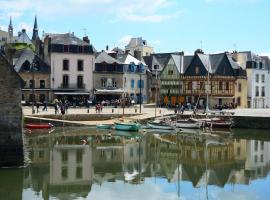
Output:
x=65 y=166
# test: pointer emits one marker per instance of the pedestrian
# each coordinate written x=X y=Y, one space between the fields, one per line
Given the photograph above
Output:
x=66 y=106
x=44 y=106
x=62 y=108
x=37 y=105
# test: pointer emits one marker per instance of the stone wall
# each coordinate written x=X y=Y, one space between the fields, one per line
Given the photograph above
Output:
x=11 y=142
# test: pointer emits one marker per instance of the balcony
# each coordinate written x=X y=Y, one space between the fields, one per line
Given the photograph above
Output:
x=72 y=86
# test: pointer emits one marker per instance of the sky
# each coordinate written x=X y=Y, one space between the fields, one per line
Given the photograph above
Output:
x=167 y=25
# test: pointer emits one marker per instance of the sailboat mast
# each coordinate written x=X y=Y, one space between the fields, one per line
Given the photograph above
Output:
x=208 y=88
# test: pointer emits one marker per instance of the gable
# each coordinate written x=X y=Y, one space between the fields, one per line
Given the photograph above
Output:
x=196 y=68
x=224 y=68
x=170 y=70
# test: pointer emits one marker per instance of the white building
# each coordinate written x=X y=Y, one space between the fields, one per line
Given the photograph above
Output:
x=72 y=61
x=258 y=76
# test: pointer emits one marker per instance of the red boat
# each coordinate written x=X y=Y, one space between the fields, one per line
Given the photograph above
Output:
x=39 y=126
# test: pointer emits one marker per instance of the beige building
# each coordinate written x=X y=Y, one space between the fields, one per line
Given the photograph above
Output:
x=138 y=48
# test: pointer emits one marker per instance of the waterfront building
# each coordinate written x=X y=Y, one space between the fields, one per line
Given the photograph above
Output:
x=117 y=76
x=36 y=75
x=138 y=48
x=72 y=62
x=216 y=75
x=258 y=77
x=155 y=62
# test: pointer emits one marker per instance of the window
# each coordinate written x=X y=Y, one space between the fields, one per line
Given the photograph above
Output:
x=139 y=84
x=114 y=84
x=220 y=85
x=132 y=84
x=80 y=65
x=227 y=85
x=22 y=97
x=79 y=172
x=65 y=48
x=238 y=151
x=65 y=65
x=41 y=154
x=262 y=145
x=103 y=82
x=239 y=87
x=263 y=78
x=170 y=72
x=263 y=91
x=189 y=86
x=32 y=84
x=255 y=158
x=79 y=155
x=256 y=146
x=261 y=157
x=64 y=172
x=257 y=78
x=42 y=84
x=64 y=156
x=65 y=81
x=80 y=81
x=80 y=49
x=197 y=70
x=257 y=91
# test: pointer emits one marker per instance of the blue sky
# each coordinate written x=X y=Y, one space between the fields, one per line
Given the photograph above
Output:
x=167 y=25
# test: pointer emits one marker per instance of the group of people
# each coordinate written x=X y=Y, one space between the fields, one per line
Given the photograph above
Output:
x=60 y=106
x=98 y=107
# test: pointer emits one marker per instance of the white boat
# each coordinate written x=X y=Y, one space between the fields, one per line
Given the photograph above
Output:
x=188 y=123
x=157 y=124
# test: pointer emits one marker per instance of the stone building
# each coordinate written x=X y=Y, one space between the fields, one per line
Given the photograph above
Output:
x=138 y=48
x=11 y=142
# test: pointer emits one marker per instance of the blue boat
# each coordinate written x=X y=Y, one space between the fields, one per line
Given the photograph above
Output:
x=103 y=126
x=126 y=126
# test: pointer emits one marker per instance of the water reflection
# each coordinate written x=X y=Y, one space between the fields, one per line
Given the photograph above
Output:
x=66 y=165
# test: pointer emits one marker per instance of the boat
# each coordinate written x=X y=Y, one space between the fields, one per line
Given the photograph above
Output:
x=39 y=126
x=162 y=125
x=218 y=122
x=103 y=126
x=126 y=126
x=188 y=123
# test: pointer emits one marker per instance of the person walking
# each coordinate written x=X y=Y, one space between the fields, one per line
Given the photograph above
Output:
x=44 y=106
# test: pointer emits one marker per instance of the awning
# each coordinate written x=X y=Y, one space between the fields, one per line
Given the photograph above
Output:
x=71 y=93
x=106 y=91
x=224 y=97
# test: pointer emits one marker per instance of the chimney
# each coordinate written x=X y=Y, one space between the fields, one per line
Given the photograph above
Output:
x=86 y=39
x=107 y=48
x=23 y=30
x=235 y=55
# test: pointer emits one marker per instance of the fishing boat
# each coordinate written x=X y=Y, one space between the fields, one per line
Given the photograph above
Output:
x=39 y=126
x=158 y=124
x=103 y=126
x=126 y=126
x=188 y=123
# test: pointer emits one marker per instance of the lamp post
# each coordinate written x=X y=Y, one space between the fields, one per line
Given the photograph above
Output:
x=156 y=68
x=32 y=69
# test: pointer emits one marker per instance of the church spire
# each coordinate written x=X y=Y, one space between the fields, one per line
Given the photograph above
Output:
x=35 y=30
x=10 y=27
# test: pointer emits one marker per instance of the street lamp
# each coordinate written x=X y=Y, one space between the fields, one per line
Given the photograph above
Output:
x=156 y=68
x=33 y=69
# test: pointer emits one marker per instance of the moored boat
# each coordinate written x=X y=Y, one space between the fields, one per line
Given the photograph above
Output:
x=126 y=126
x=157 y=124
x=39 y=126
x=188 y=123
x=220 y=123
x=103 y=126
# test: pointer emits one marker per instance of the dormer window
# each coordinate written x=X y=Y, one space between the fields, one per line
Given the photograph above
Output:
x=65 y=48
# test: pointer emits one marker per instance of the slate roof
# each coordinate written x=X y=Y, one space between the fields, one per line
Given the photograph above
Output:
x=104 y=57
x=66 y=39
x=127 y=59
x=22 y=38
x=187 y=61
x=25 y=58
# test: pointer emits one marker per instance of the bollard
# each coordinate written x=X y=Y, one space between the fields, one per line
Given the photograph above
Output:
x=159 y=111
x=88 y=110
x=112 y=110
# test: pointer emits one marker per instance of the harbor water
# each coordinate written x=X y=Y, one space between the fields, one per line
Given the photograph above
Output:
x=86 y=163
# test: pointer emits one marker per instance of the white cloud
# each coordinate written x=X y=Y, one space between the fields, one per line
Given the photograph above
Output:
x=120 y=10
x=123 y=41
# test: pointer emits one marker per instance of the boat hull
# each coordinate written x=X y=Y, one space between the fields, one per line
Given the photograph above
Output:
x=127 y=126
x=103 y=126
x=195 y=125
x=39 y=126
x=162 y=127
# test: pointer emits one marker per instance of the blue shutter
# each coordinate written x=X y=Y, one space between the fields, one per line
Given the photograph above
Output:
x=132 y=84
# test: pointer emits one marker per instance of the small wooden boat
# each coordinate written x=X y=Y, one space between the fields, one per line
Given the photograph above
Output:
x=188 y=123
x=157 y=124
x=103 y=126
x=39 y=126
x=126 y=126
